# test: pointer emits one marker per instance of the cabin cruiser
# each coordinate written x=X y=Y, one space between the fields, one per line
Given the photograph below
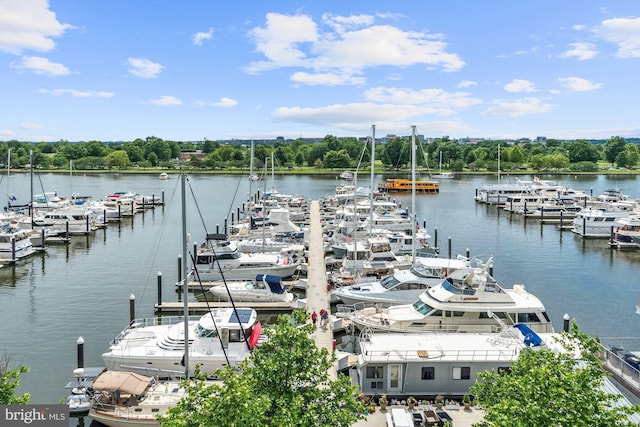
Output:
x=626 y=232
x=265 y=288
x=222 y=337
x=218 y=257
x=468 y=300
x=126 y=398
x=599 y=221
x=403 y=286
x=15 y=243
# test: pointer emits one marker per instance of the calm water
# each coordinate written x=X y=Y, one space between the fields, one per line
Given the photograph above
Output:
x=82 y=289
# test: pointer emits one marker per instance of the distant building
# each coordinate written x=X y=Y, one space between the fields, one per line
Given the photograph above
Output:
x=187 y=155
x=541 y=139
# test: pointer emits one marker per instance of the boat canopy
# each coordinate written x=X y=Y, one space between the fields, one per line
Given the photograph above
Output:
x=126 y=382
x=531 y=339
x=274 y=282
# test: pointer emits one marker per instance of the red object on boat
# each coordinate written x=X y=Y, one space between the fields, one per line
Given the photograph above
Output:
x=255 y=334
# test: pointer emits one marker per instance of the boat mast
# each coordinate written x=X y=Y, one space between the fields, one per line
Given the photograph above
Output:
x=413 y=193
x=185 y=294
x=498 y=161
x=31 y=189
x=373 y=159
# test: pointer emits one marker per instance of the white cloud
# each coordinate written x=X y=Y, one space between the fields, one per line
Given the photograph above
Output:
x=344 y=115
x=165 y=101
x=576 y=84
x=624 y=32
x=144 y=68
x=519 y=85
x=41 y=65
x=77 y=93
x=466 y=83
x=28 y=25
x=31 y=126
x=582 y=51
x=437 y=101
x=222 y=102
x=349 y=45
x=7 y=134
x=198 y=38
x=517 y=108
x=326 y=79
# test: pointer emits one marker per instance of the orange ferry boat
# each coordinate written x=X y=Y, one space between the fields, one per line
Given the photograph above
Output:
x=400 y=184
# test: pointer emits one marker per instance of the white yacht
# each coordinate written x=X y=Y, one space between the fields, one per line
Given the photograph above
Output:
x=123 y=399
x=626 y=232
x=74 y=220
x=218 y=257
x=555 y=210
x=468 y=300
x=403 y=286
x=221 y=337
x=265 y=288
x=599 y=221
x=15 y=243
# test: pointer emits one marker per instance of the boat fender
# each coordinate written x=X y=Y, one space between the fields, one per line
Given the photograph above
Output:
x=201 y=251
x=285 y=261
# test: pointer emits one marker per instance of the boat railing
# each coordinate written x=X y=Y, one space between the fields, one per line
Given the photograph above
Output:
x=161 y=320
x=430 y=354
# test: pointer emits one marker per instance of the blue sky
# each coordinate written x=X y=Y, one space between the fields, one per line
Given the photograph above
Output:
x=118 y=70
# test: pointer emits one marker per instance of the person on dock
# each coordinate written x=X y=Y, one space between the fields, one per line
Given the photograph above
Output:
x=314 y=318
x=324 y=318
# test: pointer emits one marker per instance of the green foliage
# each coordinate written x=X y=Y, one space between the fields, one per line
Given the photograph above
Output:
x=284 y=382
x=9 y=381
x=545 y=388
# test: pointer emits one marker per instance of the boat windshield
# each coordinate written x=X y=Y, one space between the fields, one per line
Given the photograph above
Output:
x=201 y=331
x=421 y=307
x=389 y=282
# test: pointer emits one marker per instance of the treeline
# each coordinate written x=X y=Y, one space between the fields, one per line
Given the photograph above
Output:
x=330 y=153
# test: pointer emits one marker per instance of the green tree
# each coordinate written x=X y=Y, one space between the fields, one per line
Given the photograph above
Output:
x=396 y=152
x=285 y=382
x=337 y=159
x=118 y=159
x=583 y=151
x=153 y=159
x=613 y=147
x=553 y=389
x=633 y=156
x=9 y=381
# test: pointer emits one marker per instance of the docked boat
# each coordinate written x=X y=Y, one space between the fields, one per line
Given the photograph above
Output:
x=222 y=337
x=15 y=242
x=74 y=220
x=599 y=221
x=468 y=300
x=497 y=194
x=265 y=288
x=626 y=233
x=407 y=185
x=79 y=399
x=401 y=287
x=425 y=365
x=124 y=399
x=555 y=210
x=440 y=174
x=218 y=257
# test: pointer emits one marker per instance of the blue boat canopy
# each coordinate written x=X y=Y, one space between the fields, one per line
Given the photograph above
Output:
x=274 y=282
x=531 y=339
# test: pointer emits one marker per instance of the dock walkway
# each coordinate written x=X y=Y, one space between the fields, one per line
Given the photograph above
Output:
x=317 y=291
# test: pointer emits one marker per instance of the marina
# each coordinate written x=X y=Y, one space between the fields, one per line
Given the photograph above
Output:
x=581 y=277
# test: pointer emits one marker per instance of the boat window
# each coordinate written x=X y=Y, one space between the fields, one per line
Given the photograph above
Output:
x=428 y=373
x=234 y=335
x=204 y=259
x=421 y=307
x=374 y=372
x=389 y=282
x=204 y=332
x=528 y=318
x=461 y=372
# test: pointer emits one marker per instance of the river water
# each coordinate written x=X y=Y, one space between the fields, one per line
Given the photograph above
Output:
x=83 y=289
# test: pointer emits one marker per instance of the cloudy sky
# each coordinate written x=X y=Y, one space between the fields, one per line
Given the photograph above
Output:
x=118 y=70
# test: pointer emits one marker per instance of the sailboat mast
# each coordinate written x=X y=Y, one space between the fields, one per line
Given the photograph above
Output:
x=185 y=294
x=413 y=193
x=373 y=159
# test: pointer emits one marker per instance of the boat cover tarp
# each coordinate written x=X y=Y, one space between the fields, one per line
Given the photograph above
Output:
x=126 y=382
x=274 y=282
x=531 y=339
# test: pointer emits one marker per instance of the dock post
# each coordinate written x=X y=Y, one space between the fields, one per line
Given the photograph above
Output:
x=163 y=197
x=179 y=268
x=44 y=237
x=13 y=248
x=153 y=200
x=80 y=347
x=468 y=253
x=565 y=322
x=132 y=308
x=561 y=220
x=435 y=237
x=217 y=228
x=491 y=269
x=104 y=217
x=424 y=223
x=225 y=226
x=159 y=289
x=449 y=247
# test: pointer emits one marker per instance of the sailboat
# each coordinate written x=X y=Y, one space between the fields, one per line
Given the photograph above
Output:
x=440 y=174
x=126 y=395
